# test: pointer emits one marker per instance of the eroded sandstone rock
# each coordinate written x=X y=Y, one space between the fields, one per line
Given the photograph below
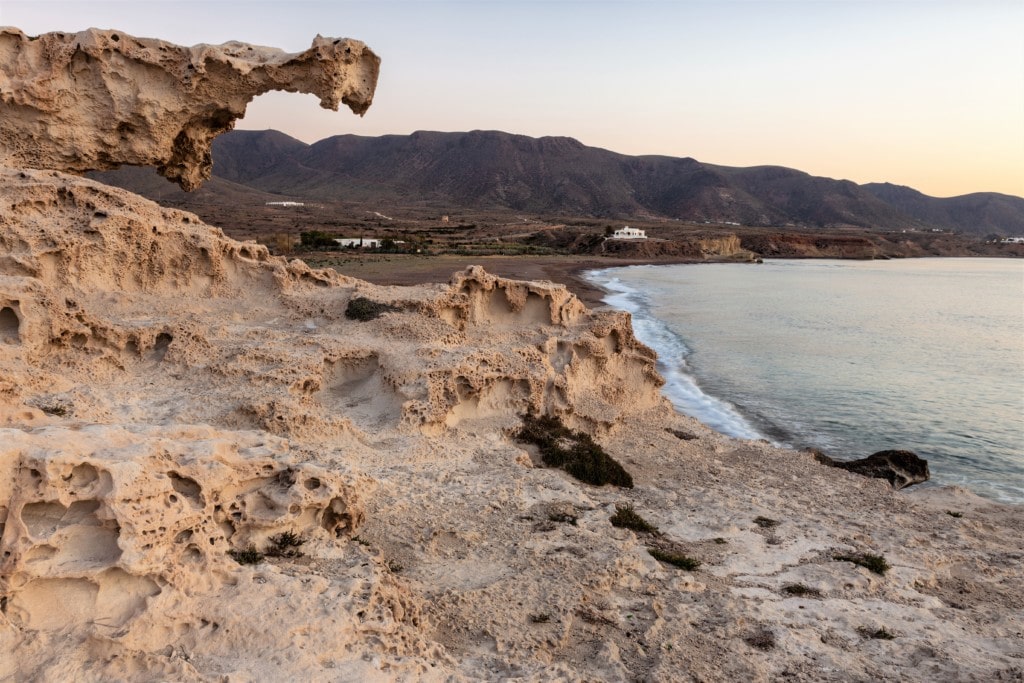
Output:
x=101 y=288
x=97 y=99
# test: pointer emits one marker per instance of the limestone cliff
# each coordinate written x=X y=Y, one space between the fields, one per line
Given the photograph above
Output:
x=97 y=99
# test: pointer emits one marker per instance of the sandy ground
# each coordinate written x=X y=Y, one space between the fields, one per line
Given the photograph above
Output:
x=400 y=269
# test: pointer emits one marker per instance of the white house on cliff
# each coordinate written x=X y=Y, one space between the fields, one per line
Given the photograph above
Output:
x=628 y=233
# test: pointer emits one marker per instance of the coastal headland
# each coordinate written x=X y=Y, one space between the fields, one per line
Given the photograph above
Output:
x=223 y=463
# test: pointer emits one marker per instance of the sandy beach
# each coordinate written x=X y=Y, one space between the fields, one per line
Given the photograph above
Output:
x=403 y=269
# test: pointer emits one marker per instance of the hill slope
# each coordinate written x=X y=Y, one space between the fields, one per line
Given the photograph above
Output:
x=492 y=170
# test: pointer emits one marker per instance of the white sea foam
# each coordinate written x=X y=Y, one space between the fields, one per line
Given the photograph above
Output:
x=681 y=387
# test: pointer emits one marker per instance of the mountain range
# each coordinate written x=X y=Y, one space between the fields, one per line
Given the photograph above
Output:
x=559 y=176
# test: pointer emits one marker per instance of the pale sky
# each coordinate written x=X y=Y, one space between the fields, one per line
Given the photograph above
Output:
x=925 y=93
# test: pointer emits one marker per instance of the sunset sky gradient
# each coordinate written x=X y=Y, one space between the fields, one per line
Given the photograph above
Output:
x=924 y=93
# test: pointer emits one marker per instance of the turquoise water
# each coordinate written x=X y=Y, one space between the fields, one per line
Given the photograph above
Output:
x=850 y=357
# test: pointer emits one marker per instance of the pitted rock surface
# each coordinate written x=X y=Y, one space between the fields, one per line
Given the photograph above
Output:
x=97 y=99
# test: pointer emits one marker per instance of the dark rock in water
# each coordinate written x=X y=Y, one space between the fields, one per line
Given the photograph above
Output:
x=899 y=468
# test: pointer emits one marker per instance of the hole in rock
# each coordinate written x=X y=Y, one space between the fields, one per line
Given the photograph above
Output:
x=9 y=325
x=312 y=483
x=357 y=388
x=44 y=518
x=187 y=487
x=336 y=518
x=163 y=342
x=83 y=475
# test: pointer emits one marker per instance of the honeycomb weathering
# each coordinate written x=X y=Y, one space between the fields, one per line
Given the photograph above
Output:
x=173 y=395
x=97 y=99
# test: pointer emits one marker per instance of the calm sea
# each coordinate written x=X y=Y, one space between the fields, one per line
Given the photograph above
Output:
x=851 y=357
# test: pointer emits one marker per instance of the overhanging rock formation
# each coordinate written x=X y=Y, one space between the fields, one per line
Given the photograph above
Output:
x=97 y=99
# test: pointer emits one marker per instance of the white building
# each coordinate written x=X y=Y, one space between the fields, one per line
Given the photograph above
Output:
x=358 y=242
x=1012 y=240
x=628 y=233
x=286 y=203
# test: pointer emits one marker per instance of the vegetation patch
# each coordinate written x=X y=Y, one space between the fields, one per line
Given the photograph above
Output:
x=675 y=559
x=877 y=634
x=363 y=309
x=720 y=540
x=875 y=563
x=800 y=590
x=285 y=544
x=763 y=639
x=954 y=513
x=574 y=452
x=540 y=618
x=55 y=409
x=765 y=522
x=248 y=556
x=562 y=518
x=627 y=518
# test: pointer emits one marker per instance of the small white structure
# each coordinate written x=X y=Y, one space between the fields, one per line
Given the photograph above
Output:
x=628 y=233
x=286 y=203
x=1012 y=240
x=358 y=242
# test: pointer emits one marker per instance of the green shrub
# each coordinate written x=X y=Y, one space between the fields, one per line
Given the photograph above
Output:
x=284 y=544
x=248 y=556
x=361 y=308
x=955 y=514
x=674 y=559
x=878 y=634
x=800 y=590
x=627 y=518
x=574 y=452
x=315 y=239
x=875 y=563
x=765 y=522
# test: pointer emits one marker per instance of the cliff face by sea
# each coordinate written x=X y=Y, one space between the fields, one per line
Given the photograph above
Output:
x=221 y=465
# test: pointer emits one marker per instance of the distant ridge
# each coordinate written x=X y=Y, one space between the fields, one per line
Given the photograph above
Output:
x=493 y=170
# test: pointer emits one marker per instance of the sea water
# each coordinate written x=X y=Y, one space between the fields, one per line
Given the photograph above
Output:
x=850 y=357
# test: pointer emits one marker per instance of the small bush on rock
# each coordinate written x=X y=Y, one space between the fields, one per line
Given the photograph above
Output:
x=285 y=544
x=674 y=559
x=627 y=518
x=574 y=452
x=762 y=639
x=875 y=563
x=248 y=556
x=363 y=309
x=878 y=634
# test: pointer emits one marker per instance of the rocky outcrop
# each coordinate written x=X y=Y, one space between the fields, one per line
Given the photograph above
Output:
x=170 y=396
x=97 y=99
x=899 y=468
x=93 y=277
